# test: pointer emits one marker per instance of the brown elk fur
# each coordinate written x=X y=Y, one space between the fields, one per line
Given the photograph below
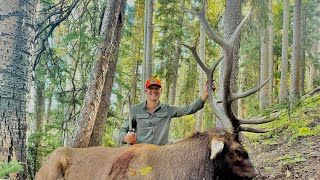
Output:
x=187 y=159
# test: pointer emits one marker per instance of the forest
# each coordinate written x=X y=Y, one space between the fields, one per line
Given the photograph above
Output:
x=71 y=69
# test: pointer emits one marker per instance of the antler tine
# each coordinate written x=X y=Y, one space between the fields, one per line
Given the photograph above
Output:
x=250 y=129
x=204 y=22
x=213 y=102
x=251 y=91
x=259 y=121
x=209 y=72
x=238 y=29
x=215 y=65
x=194 y=53
x=204 y=5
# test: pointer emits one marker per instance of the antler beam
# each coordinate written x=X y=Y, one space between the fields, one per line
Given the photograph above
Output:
x=227 y=96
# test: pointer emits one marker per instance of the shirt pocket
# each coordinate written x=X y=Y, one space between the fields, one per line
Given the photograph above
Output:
x=143 y=120
x=160 y=118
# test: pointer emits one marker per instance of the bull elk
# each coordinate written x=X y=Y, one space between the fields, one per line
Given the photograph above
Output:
x=209 y=155
x=226 y=114
x=215 y=154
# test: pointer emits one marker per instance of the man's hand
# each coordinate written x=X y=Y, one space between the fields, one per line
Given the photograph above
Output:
x=130 y=138
x=204 y=95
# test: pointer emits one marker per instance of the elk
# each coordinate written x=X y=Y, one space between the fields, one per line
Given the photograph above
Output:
x=208 y=155
x=215 y=154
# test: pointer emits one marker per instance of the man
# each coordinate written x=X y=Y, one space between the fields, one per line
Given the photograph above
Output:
x=151 y=119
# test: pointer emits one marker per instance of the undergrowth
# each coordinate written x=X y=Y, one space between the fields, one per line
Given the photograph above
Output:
x=10 y=167
x=294 y=122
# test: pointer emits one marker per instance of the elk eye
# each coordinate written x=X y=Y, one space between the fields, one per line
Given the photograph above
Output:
x=245 y=155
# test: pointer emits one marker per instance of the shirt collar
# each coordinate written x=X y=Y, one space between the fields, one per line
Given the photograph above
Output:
x=157 y=108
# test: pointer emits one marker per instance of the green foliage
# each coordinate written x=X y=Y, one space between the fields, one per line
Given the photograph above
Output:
x=108 y=136
x=10 y=167
x=208 y=118
x=304 y=131
x=286 y=159
x=303 y=122
x=42 y=143
x=182 y=127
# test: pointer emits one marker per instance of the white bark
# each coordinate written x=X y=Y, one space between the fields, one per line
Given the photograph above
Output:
x=149 y=49
x=313 y=71
x=202 y=50
x=296 y=52
x=270 y=56
x=284 y=63
x=145 y=44
x=264 y=71
x=16 y=49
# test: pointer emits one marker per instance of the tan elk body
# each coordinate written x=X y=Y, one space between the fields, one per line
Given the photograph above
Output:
x=208 y=155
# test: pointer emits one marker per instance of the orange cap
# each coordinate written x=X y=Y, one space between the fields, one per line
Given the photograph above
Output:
x=153 y=81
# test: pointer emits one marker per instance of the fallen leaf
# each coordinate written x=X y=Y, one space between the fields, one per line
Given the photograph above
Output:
x=288 y=173
x=145 y=170
x=132 y=172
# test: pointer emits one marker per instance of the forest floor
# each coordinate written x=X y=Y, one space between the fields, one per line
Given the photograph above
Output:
x=293 y=150
x=295 y=160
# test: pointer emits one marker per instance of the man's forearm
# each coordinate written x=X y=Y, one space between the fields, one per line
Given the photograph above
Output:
x=204 y=96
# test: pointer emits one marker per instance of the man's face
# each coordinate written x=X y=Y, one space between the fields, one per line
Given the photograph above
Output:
x=153 y=92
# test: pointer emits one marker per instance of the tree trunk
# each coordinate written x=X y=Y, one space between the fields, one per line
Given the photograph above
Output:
x=145 y=44
x=133 y=84
x=314 y=72
x=100 y=123
x=202 y=50
x=48 y=109
x=16 y=45
x=67 y=106
x=110 y=32
x=148 y=29
x=303 y=73
x=296 y=52
x=303 y=58
x=285 y=44
x=173 y=86
x=264 y=71
x=149 y=34
x=40 y=119
x=134 y=81
x=232 y=19
x=314 y=76
x=136 y=50
x=270 y=56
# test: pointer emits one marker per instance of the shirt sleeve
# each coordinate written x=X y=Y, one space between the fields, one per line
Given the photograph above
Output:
x=177 y=111
x=124 y=130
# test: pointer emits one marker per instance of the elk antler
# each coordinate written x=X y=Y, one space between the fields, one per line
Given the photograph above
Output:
x=227 y=96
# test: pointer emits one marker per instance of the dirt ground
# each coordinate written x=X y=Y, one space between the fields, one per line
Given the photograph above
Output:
x=299 y=159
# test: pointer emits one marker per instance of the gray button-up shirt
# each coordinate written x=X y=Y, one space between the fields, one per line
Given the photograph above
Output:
x=153 y=128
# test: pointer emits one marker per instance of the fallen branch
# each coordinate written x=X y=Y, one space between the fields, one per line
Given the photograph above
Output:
x=313 y=92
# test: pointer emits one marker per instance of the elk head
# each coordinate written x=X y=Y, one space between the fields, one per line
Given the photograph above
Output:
x=228 y=97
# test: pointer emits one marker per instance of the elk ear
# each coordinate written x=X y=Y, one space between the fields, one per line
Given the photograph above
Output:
x=216 y=148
